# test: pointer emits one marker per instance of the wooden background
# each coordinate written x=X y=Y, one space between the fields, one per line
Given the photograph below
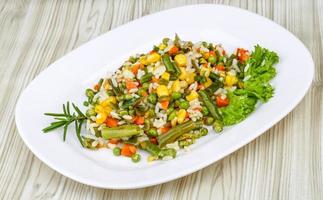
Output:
x=284 y=163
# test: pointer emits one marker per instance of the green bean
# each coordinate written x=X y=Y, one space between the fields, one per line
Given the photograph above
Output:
x=167 y=152
x=152 y=132
x=210 y=105
x=208 y=121
x=121 y=131
x=205 y=111
x=150 y=147
x=168 y=64
x=218 y=126
x=172 y=115
x=177 y=131
x=115 y=89
x=131 y=102
x=146 y=78
x=195 y=66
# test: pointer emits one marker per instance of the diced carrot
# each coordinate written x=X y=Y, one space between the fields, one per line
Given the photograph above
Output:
x=130 y=84
x=164 y=104
x=139 y=120
x=152 y=51
x=200 y=86
x=222 y=102
x=128 y=150
x=135 y=68
x=153 y=140
x=211 y=53
x=242 y=54
x=144 y=93
x=111 y=122
x=164 y=129
x=97 y=87
x=173 y=50
x=220 y=68
x=187 y=115
x=204 y=65
x=154 y=79
x=114 y=141
x=198 y=50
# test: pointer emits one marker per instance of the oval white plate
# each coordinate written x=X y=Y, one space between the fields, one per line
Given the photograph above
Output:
x=67 y=78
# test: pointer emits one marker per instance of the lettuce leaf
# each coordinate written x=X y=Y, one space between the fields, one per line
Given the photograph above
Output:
x=239 y=108
x=259 y=72
x=256 y=86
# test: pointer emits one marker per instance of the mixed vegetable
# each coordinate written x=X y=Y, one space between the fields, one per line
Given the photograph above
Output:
x=160 y=101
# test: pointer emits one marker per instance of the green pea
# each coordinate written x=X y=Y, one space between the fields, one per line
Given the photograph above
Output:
x=172 y=115
x=90 y=112
x=152 y=98
x=211 y=60
x=133 y=59
x=135 y=158
x=176 y=95
x=209 y=120
x=145 y=86
x=153 y=132
x=89 y=93
x=128 y=97
x=120 y=97
x=123 y=112
x=116 y=151
x=85 y=103
x=184 y=104
x=131 y=112
x=141 y=91
x=165 y=41
x=204 y=131
x=205 y=111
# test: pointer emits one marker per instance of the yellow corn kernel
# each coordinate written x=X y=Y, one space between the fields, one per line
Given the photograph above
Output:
x=206 y=55
x=193 y=95
x=165 y=76
x=180 y=60
x=162 y=91
x=100 y=118
x=108 y=101
x=107 y=110
x=208 y=82
x=106 y=85
x=99 y=109
x=152 y=58
x=190 y=78
x=205 y=71
x=183 y=84
x=162 y=46
x=182 y=76
x=176 y=86
x=231 y=80
x=143 y=60
x=222 y=74
x=181 y=114
x=174 y=122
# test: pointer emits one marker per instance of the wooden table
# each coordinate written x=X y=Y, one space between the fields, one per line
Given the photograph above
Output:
x=284 y=163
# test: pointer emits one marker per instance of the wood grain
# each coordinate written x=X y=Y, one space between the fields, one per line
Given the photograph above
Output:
x=284 y=163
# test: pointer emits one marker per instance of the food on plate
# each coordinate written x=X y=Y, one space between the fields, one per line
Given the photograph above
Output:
x=164 y=100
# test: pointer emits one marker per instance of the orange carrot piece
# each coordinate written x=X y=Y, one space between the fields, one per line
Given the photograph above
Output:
x=173 y=50
x=111 y=122
x=128 y=150
x=164 y=104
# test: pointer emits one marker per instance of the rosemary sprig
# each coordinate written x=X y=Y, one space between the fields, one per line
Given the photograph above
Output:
x=65 y=119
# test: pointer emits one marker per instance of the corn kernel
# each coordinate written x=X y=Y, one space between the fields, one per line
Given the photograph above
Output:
x=208 y=82
x=180 y=60
x=193 y=95
x=165 y=76
x=162 y=46
x=181 y=116
x=108 y=101
x=190 y=78
x=206 y=55
x=205 y=71
x=176 y=86
x=100 y=118
x=182 y=76
x=174 y=122
x=99 y=109
x=143 y=60
x=230 y=80
x=162 y=90
x=152 y=58
x=183 y=84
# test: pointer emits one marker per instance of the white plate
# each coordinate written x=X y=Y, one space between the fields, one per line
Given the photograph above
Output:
x=67 y=78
